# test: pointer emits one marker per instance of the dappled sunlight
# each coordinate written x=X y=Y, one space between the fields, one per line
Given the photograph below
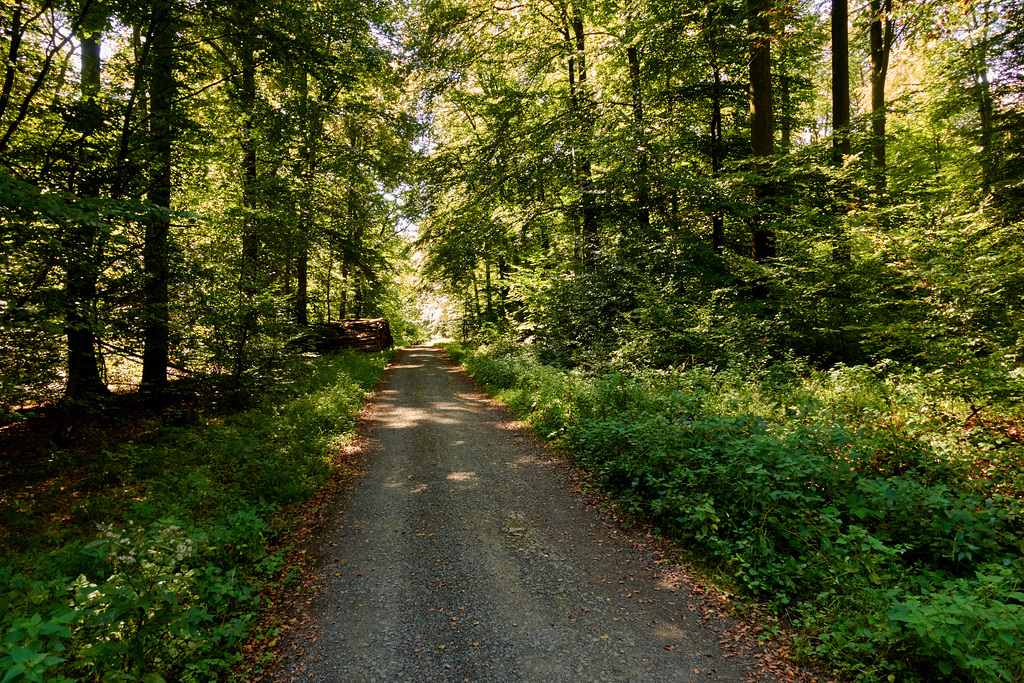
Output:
x=438 y=413
x=463 y=476
x=410 y=417
x=524 y=461
x=671 y=632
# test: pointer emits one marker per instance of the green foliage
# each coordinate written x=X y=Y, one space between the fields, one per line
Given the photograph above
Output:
x=974 y=625
x=849 y=498
x=166 y=588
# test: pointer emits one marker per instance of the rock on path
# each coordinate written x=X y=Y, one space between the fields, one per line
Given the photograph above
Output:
x=462 y=556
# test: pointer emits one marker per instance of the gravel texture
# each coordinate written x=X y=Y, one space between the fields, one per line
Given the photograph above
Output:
x=464 y=556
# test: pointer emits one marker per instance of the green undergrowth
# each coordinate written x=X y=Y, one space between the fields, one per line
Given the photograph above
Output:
x=881 y=516
x=165 y=586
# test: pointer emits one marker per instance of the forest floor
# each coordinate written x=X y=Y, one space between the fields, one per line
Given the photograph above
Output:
x=470 y=552
x=52 y=474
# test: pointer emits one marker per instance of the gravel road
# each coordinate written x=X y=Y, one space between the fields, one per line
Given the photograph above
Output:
x=464 y=556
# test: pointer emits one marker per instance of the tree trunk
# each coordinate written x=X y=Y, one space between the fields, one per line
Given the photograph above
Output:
x=250 y=236
x=983 y=94
x=643 y=192
x=343 y=307
x=785 y=101
x=84 y=378
x=327 y=288
x=717 y=216
x=503 y=287
x=840 y=81
x=476 y=296
x=13 y=50
x=581 y=103
x=90 y=66
x=156 y=268
x=307 y=164
x=881 y=47
x=248 y=285
x=762 y=123
x=487 y=291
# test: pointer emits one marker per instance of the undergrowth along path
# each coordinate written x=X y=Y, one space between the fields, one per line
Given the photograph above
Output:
x=463 y=555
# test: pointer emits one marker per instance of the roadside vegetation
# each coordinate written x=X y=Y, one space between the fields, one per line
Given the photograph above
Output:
x=140 y=556
x=875 y=510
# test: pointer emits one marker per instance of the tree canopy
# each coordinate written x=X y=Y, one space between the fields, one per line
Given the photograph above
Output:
x=186 y=186
x=670 y=182
x=822 y=201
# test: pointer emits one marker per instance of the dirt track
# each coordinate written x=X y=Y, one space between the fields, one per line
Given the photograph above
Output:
x=464 y=556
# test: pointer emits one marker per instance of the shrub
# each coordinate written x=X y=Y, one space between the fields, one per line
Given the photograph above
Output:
x=843 y=497
x=165 y=588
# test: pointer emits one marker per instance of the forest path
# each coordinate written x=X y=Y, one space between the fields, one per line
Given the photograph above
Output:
x=463 y=555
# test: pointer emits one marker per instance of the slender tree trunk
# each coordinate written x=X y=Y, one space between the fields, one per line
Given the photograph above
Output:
x=986 y=108
x=245 y=85
x=327 y=287
x=503 y=288
x=762 y=123
x=358 y=298
x=840 y=81
x=476 y=296
x=13 y=50
x=84 y=378
x=155 y=250
x=306 y=172
x=487 y=290
x=785 y=101
x=717 y=216
x=643 y=192
x=983 y=93
x=581 y=106
x=250 y=235
x=881 y=47
x=343 y=307
x=90 y=46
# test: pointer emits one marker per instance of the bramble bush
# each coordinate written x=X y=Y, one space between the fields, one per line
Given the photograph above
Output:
x=165 y=587
x=851 y=499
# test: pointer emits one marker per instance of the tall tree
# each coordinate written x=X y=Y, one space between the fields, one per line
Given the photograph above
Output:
x=83 y=247
x=762 y=120
x=156 y=246
x=584 y=111
x=881 y=48
x=643 y=191
x=841 y=80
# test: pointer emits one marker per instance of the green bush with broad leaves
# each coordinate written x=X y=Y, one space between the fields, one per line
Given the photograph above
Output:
x=851 y=499
x=166 y=587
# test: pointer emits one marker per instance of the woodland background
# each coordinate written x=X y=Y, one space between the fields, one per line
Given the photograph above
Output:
x=756 y=265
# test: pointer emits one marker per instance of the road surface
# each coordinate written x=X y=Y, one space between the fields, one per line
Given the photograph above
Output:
x=463 y=555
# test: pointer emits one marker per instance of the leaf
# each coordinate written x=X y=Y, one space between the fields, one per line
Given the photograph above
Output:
x=20 y=655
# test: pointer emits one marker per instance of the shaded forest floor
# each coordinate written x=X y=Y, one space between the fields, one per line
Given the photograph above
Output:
x=55 y=475
x=136 y=537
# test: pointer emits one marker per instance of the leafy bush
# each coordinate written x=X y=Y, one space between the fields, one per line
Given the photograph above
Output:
x=166 y=589
x=843 y=497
